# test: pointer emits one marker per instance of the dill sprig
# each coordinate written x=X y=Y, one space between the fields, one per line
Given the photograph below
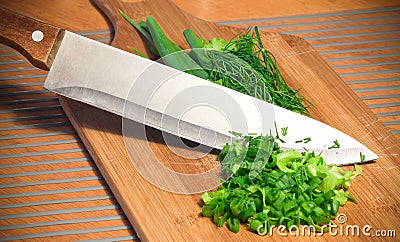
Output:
x=249 y=48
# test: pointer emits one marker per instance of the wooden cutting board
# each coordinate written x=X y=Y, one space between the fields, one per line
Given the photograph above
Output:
x=157 y=214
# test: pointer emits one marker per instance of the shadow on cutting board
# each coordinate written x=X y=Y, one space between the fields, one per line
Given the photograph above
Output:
x=88 y=119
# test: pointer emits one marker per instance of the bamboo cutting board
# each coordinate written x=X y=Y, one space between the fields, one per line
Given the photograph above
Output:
x=161 y=215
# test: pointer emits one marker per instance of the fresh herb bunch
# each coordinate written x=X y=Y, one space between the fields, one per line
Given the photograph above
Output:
x=246 y=66
x=270 y=187
x=248 y=48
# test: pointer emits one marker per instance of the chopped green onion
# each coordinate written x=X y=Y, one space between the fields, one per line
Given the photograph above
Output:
x=268 y=186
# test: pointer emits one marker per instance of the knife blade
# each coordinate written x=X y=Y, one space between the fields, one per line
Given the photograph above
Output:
x=162 y=97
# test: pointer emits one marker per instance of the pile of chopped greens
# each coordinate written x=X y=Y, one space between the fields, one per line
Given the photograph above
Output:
x=266 y=185
x=241 y=64
x=269 y=187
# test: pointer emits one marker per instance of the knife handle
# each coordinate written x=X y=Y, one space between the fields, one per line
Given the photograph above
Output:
x=36 y=40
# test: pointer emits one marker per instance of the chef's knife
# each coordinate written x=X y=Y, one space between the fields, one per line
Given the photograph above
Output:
x=162 y=97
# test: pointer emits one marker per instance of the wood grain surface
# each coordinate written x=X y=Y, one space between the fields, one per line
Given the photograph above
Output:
x=153 y=211
x=41 y=154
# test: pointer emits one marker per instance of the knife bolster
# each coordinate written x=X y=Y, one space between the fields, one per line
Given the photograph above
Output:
x=17 y=30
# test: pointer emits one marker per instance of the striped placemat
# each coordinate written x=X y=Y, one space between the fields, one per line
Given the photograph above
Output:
x=51 y=189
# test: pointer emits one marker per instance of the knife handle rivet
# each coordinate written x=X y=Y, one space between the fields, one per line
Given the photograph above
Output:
x=37 y=35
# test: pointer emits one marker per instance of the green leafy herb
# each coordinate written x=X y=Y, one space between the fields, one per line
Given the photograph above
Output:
x=241 y=64
x=305 y=140
x=269 y=186
x=171 y=54
x=335 y=145
x=362 y=157
x=284 y=131
x=138 y=52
